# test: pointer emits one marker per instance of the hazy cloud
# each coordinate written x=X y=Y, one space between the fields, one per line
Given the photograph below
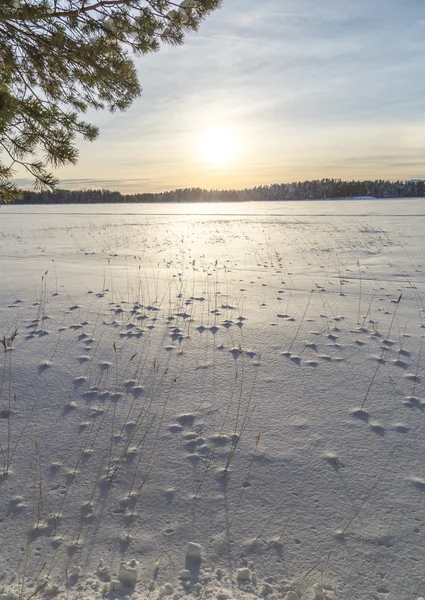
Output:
x=304 y=84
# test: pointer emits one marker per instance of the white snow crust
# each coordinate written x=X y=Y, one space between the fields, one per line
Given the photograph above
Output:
x=213 y=401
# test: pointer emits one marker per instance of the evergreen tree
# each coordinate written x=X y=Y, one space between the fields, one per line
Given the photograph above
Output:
x=60 y=57
x=304 y=190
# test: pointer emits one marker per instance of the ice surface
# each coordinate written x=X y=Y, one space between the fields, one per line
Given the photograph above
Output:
x=242 y=377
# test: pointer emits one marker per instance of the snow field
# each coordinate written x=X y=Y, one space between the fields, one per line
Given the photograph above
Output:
x=212 y=405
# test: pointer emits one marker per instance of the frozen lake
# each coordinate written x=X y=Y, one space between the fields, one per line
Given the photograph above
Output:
x=349 y=207
x=247 y=377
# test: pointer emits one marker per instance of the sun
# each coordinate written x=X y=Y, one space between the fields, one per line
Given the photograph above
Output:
x=218 y=145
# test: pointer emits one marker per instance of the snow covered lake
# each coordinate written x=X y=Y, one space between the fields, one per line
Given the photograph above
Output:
x=243 y=378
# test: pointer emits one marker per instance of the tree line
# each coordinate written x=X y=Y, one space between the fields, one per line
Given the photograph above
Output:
x=304 y=190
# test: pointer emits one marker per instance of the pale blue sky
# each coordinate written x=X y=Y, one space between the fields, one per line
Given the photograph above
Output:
x=334 y=88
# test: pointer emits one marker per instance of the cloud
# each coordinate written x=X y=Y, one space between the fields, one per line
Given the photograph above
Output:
x=306 y=85
x=71 y=184
x=100 y=182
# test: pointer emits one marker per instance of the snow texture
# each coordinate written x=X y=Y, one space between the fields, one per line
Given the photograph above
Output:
x=213 y=401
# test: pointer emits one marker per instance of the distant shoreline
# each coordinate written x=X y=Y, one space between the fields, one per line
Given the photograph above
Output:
x=176 y=202
x=315 y=190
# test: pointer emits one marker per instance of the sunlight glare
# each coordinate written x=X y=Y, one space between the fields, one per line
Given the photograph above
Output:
x=218 y=145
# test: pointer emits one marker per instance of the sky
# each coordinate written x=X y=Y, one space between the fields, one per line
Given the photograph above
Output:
x=271 y=91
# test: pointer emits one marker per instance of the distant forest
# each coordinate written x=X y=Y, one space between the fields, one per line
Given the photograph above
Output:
x=305 y=190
